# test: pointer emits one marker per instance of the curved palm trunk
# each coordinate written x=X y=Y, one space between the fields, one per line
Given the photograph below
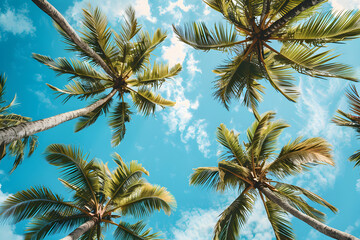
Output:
x=22 y=130
x=80 y=230
x=321 y=227
x=61 y=21
x=290 y=15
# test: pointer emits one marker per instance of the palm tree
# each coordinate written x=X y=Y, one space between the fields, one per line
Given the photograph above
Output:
x=253 y=28
x=252 y=167
x=352 y=119
x=125 y=60
x=18 y=147
x=99 y=197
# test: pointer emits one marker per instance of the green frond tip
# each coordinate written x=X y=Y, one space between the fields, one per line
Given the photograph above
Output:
x=118 y=118
x=136 y=231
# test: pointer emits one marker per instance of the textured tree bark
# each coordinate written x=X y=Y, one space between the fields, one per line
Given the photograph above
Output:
x=290 y=15
x=319 y=226
x=10 y=134
x=80 y=230
x=61 y=21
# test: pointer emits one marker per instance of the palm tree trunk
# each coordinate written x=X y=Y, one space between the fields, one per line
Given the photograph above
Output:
x=290 y=15
x=22 y=130
x=61 y=21
x=321 y=227
x=80 y=230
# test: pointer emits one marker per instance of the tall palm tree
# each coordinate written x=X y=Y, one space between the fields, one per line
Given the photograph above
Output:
x=99 y=197
x=352 y=119
x=126 y=69
x=18 y=147
x=253 y=28
x=256 y=170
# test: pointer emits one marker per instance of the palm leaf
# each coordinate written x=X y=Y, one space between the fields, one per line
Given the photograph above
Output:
x=299 y=155
x=34 y=202
x=146 y=101
x=233 y=218
x=146 y=200
x=90 y=118
x=136 y=231
x=129 y=28
x=200 y=37
x=118 y=118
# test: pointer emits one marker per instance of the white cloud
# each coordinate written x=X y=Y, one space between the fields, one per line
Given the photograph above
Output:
x=207 y=10
x=358 y=185
x=44 y=99
x=192 y=65
x=351 y=228
x=197 y=131
x=315 y=109
x=199 y=224
x=7 y=231
x=339 y=5
x=176 y=8
x=16 y=22
x=38 y=77
x=176 y=52
x=113 y=9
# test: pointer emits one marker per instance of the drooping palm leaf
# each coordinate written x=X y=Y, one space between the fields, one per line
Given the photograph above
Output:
x=118 y=118
x=136 y=231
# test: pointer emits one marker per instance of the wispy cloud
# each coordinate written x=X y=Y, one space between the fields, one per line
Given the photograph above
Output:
x=175 y=52
x=16 y=22
x=43 y=98
x=176 y=8
x=113 y=9
x=358 y=185
x=339 y=5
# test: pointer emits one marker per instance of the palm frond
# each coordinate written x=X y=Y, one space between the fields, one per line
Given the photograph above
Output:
x=200 y=37
x=155 y=76
x=34 y=202
x=74 y=167
x=279 y=221
x=234 y=217
x=118 y=118
x=129 y=28
x=234 y=77
x=313 y=63
x=136 y=231
x=75 y=68
x=230 y=141
x=146 y=200
x=233 y=168
x=90 y=118
x=325 y=27
x=300 y=155
x=146 y=101
x=208 y=177
x=52 y=223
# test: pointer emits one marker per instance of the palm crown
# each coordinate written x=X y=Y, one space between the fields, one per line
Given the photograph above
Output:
x=352 y=119
x=251 y=167
x=15 y=148
x=99 y=195
x=254 y=26
x=128 y=69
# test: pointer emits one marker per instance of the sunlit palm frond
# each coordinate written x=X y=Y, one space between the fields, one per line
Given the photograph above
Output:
x=230 y=141
x=98 y=35
x=254 y=132
x=12 y=119
x=90 y=118
x=142 y=49
x=52 y=223
x=310 y=195
x=208 y=177
x=75 y=168
x=123 y=177
x=155 y=76
x=234 y=217
x=200 y=37
x=311 y=62
x=129 y=28
x=34 y=202
x=300 y=155
x=17 y=148
x=73 y=67
x=146 y=200
x=325 y=27
x=81 y=90
x=118 y=118
x=136 y=231
x=293 y=198
x=279 y=221
x=233 y=168
x=146 y=101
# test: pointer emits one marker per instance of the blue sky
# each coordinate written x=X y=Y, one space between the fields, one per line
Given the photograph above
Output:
x=182 y=138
